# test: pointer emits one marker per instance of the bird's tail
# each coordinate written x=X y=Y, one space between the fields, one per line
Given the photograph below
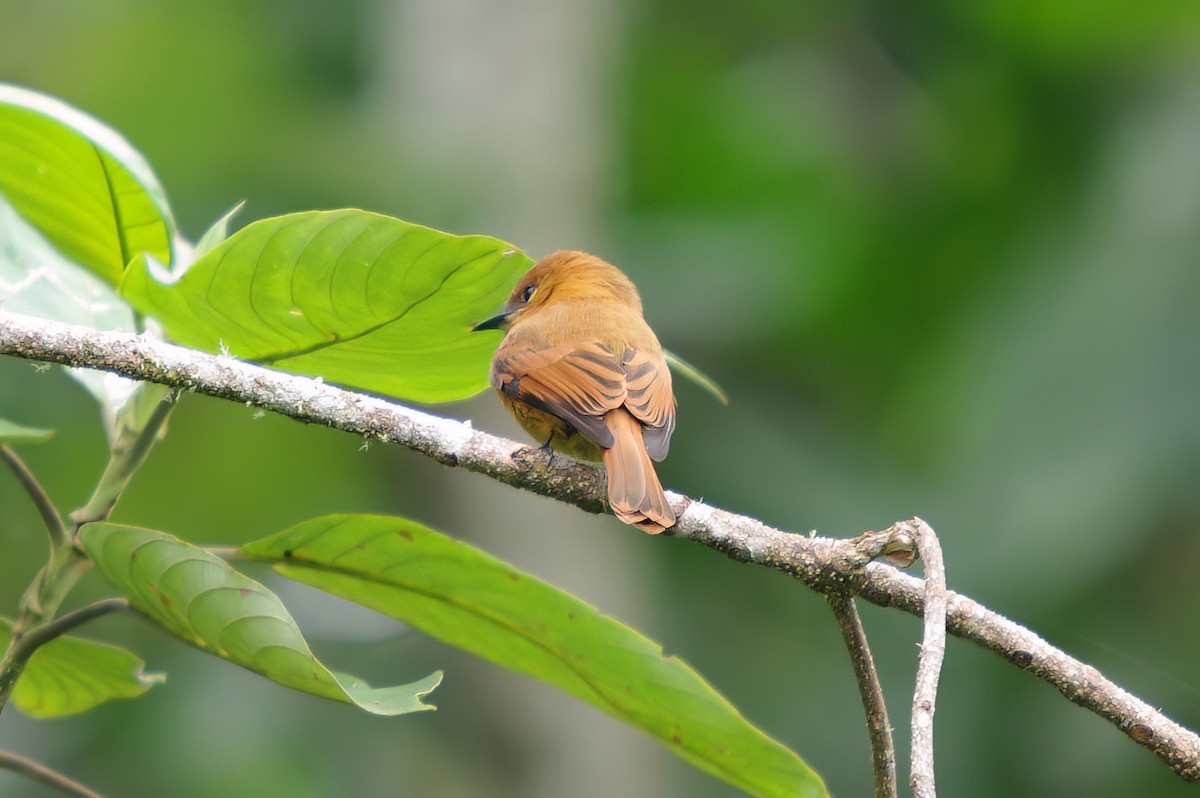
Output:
x=634 y=492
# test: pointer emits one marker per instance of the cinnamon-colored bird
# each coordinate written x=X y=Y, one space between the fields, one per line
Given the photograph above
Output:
x=584 y=374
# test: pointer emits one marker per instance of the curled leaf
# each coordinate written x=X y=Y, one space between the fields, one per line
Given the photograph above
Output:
x=199 y=598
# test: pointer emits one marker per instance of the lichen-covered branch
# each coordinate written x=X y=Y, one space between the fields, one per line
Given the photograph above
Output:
x=824 y=564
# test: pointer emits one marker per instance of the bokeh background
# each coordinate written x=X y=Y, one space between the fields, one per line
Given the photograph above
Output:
x=942 y=255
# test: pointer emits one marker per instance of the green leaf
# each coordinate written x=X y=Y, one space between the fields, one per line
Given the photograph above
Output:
x=76 y=203
x=80 y=183
x=15 y=433
x=469 y=599
x=70 y=675
x=37 y=280
x=690 y=372
x=354 y=297
x=201 y=599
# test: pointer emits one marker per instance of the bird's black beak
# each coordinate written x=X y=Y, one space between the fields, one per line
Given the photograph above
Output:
x=499 y=322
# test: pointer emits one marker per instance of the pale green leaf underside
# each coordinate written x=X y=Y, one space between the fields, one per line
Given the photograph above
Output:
x=38 y=280
x=16 y=433
x=469 y=599
x=70 y=675
x=201 y=599
x=80 y=183
x=357 y=298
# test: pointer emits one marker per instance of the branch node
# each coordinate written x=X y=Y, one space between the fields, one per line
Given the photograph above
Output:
x=896 y=544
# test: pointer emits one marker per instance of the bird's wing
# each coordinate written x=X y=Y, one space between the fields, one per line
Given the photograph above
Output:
x=577 y=383
x=649 y=399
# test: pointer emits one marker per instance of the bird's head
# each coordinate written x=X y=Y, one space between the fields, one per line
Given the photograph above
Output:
x=564 y=276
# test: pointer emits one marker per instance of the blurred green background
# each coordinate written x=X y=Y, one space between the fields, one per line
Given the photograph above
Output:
x=942 y=255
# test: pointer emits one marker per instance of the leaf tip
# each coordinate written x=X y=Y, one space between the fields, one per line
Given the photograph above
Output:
x=432 y=681
x=150 y=679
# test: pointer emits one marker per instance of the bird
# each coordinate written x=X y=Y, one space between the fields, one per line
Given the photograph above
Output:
x=582 y=372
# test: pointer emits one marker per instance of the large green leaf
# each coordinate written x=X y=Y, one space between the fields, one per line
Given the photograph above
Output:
x=354 y=297
x=70 y=675
x=80 y=183
x=77 y=202
x=198 y=597
x=469 y=599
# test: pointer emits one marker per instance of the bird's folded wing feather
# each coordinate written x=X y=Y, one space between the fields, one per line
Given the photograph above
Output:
x=650 y=400
x=578 y=384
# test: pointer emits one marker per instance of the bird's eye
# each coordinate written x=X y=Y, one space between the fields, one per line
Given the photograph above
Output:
x=527 y=293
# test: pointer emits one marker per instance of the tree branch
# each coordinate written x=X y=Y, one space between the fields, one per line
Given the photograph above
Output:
x=824 y=564
x=879 y=728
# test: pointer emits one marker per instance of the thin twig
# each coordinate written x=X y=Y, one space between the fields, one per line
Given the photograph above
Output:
x=39 y=772
x=824 y=564
x=25 y=642
x=43 y=634
x=929 y=664
x=41 y=499
x=879 y=728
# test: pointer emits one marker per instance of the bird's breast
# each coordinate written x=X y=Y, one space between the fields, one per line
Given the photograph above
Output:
x=550 y=430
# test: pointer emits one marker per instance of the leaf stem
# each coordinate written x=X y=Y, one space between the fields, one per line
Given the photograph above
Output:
x=48 y=776
x=41 y=499
x=227 y=553
x=123 y=461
